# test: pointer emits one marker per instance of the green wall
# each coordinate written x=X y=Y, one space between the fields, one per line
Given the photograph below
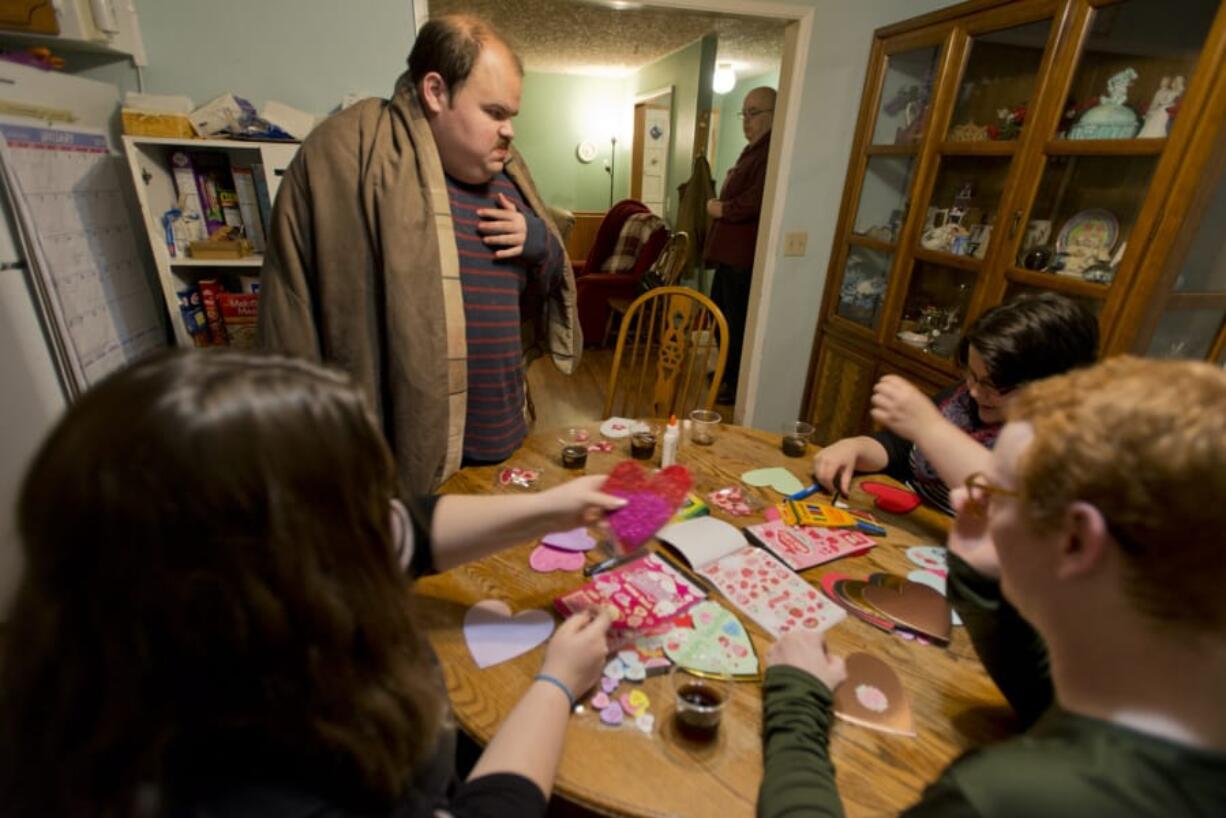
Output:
x=305 y=54
x=556 y=113
x=688 y=72
x=731 y=138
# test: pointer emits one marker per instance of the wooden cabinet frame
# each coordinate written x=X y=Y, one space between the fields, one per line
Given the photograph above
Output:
x=1188 y=163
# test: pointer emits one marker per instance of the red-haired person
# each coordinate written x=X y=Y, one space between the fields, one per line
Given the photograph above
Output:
x=1087 y=564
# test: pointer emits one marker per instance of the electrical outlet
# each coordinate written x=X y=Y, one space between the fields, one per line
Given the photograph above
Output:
x=794 y=243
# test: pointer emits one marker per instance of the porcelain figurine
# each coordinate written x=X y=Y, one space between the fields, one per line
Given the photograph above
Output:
x=1111 y=118
x=1157 y=116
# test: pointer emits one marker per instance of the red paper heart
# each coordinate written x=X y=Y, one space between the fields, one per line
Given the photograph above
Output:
x=651 y=500
x=891 y=498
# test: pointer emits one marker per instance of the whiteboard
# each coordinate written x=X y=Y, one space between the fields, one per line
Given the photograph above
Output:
x=66 y=190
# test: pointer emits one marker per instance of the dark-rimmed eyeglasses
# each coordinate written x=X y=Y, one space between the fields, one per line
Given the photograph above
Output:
x=750 y=113
x=972 y=380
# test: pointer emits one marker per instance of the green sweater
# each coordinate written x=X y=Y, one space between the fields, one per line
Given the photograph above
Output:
x=1065 y=765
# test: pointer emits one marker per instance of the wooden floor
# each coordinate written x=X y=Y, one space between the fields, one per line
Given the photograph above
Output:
x=564 y=400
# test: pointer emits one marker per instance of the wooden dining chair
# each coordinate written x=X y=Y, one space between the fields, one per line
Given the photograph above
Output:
x=669 y=340
x=669 y=266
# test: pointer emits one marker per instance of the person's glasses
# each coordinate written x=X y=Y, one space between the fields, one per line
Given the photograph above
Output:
x=979 y=493
x=750 y=113
x=983 y=383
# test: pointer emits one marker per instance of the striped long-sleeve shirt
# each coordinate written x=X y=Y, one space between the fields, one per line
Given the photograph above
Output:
x=494 y=425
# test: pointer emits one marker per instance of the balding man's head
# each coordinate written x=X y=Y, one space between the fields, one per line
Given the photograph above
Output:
x=450 y=45
x=757 y=113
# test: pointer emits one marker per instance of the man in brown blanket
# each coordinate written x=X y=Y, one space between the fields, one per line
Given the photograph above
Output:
x=409 y=246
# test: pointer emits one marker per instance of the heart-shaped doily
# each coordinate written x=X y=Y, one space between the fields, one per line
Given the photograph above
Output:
x=493 y=635
x=651 y=500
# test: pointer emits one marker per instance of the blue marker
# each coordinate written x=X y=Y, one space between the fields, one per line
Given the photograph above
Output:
x=805 y=492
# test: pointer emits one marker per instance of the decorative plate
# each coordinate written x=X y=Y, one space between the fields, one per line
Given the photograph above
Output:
x=1094 y=229
x=617 y=427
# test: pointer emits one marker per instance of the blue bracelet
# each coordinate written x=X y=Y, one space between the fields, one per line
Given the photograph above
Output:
x=545 y=677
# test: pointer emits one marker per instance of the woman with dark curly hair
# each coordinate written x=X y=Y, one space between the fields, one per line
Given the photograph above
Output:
x=934 y=443
x=214 y=617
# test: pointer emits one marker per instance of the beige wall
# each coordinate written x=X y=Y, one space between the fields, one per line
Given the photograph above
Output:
x=788 y=296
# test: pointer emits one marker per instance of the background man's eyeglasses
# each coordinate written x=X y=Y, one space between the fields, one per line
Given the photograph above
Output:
x=752 y=112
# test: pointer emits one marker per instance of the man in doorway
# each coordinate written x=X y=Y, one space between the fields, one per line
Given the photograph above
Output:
x=409 y=247
x=734 y=233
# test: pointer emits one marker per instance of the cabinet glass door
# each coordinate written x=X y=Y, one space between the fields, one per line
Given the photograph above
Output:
x=1138 y=58
x=998 y=85
x=902 y=116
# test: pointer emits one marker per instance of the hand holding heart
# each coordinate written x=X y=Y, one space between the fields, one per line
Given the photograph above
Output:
x=578 y=502
x=806 y=649
x=577 y=651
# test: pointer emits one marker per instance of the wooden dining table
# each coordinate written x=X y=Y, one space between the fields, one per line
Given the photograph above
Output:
x=624 y=771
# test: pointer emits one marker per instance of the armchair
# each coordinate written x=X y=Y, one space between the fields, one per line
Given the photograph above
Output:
x=593 y=287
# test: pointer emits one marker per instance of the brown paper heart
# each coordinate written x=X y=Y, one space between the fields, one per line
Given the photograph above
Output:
x=914 y=606
x=849 y=594
x=872 y=696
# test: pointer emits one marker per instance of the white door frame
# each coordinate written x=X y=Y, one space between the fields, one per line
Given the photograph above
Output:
x=794 y=59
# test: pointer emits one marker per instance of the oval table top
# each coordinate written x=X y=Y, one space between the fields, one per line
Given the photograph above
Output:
x=623 y=771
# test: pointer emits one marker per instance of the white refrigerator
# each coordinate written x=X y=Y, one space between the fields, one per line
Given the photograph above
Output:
x=34 y=388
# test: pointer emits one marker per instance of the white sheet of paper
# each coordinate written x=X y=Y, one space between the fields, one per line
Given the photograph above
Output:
x=703 y=540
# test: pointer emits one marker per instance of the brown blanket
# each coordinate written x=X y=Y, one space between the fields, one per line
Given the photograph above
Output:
x=362 y=272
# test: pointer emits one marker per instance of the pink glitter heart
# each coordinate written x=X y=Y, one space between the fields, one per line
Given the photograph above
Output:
x=577 y=539
x=644 y=514
x=545 y=559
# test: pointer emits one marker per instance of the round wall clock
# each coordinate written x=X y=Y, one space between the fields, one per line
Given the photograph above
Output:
x=586 y=152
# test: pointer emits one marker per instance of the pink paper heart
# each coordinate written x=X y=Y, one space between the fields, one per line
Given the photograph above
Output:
x=577 y=539
x=545 y=558
x=493 y=635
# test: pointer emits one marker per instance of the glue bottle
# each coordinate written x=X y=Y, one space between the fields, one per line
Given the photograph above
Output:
x=672 y=433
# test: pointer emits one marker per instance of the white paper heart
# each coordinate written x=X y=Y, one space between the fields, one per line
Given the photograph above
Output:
x=493 y=635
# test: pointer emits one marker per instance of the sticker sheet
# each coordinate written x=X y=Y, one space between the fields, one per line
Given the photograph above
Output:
x=716 y=642
x=770 y=593
x=647 y=592
x=806 y=547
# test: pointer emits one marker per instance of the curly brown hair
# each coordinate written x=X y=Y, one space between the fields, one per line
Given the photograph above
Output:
x=208 y=553
x=1144 y=441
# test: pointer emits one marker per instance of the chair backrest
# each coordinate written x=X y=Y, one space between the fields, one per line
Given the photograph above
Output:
x=670 y=264
x=670 y=338
x=610 y=229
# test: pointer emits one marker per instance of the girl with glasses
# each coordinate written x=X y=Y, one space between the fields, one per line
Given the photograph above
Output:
x=936 y=443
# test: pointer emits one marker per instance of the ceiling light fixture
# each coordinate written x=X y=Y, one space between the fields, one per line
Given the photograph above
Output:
x=724 y=79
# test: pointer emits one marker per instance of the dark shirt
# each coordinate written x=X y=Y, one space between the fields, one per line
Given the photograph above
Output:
x=242 y=776
x=494 y=425
x=1064 y=764
x=907 y=464
x=734 y=235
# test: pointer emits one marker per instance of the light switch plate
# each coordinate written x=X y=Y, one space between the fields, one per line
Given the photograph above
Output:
x=794 y=243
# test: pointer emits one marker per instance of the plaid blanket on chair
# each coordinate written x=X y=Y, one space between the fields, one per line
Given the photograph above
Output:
x=635 y=233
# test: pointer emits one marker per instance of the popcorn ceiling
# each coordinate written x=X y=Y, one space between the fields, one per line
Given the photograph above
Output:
x=572 y=37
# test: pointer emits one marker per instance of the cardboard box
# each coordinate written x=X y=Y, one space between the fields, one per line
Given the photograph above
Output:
x=173 y=126
x=219 y=249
